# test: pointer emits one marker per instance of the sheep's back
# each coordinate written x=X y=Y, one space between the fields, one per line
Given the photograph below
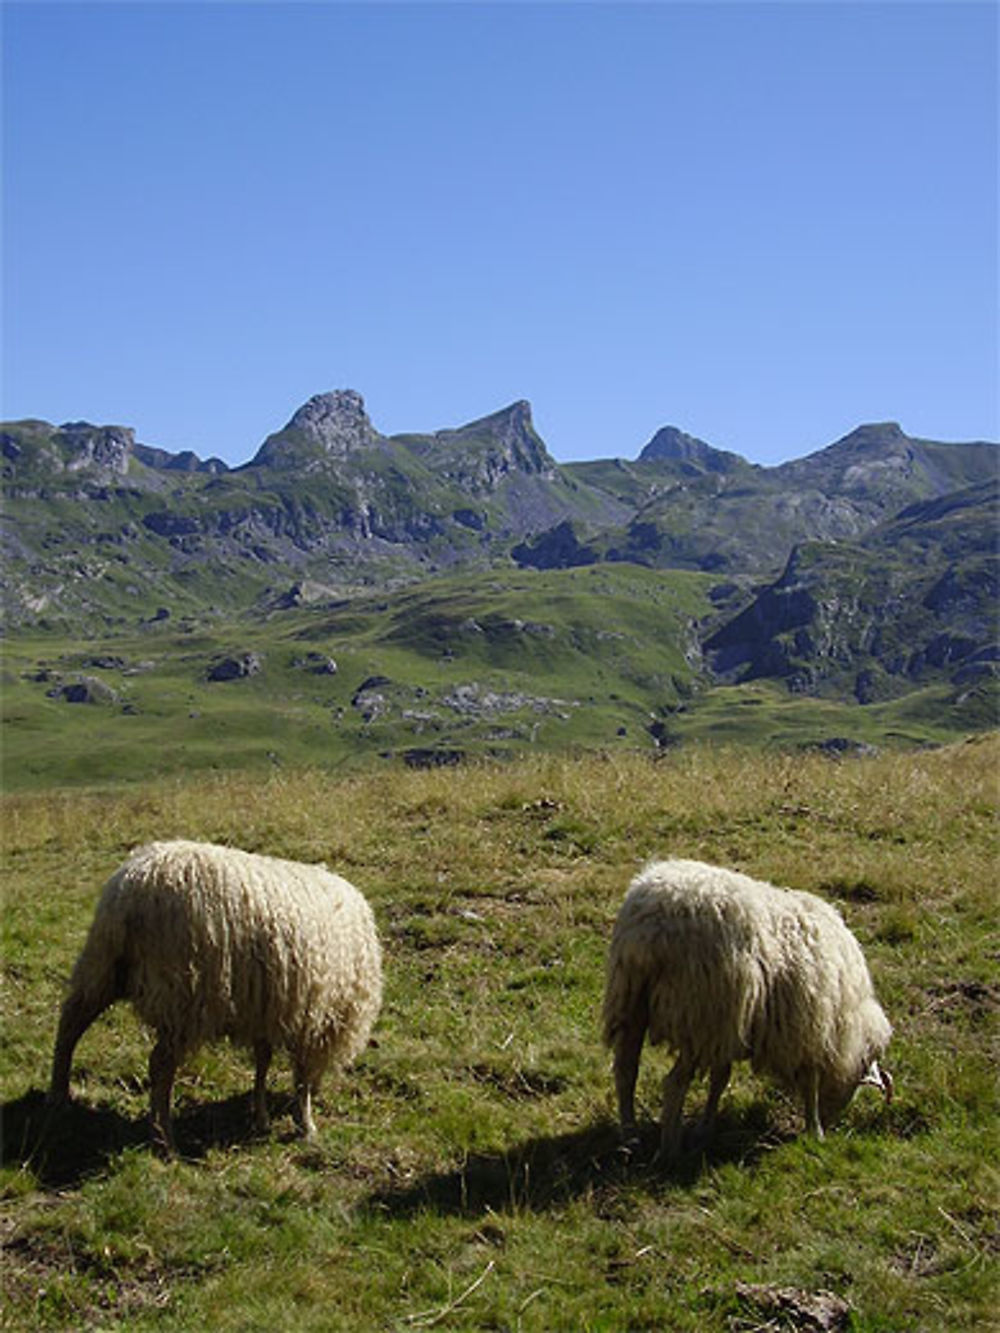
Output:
x=220 y=942
x=733 y=967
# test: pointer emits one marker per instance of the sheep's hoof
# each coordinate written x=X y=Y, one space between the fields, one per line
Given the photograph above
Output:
x=629 y=1141
x=162 y=1143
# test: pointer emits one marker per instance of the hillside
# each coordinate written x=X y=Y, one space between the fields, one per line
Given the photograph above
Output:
x=862 y=572
x=915 y=599
x=477 y=665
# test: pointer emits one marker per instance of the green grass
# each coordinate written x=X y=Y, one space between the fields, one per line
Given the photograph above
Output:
x=467 y=1173
x=596 y=658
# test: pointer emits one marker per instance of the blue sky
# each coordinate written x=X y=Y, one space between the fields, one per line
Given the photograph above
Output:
x=763 y=223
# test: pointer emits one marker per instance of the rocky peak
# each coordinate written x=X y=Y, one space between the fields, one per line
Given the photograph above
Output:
x=105 y=447
x=337 y=421
x=875 y=435
x=516 y=445
x=675 y=445
x=329 y=426
x=515 y=433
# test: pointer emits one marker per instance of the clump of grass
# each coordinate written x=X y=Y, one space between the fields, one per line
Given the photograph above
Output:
x=467 y=1173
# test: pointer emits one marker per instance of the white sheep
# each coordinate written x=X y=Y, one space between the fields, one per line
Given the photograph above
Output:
x=209 y=942
x=720 y=967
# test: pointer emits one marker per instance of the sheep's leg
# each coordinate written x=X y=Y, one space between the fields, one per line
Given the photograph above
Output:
x=628 y=1047
x=305 y=1088
x=262 y=1051
x=163 y=1061
x=675 y=1087
x=77 y=1014
x=811 y=1099
x=716 y=1087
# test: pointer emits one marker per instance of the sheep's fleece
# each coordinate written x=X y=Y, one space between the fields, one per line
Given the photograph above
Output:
x=208 y=942
x=720 y=967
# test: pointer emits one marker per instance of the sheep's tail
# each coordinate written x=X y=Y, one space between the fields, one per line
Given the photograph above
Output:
x=626 y=994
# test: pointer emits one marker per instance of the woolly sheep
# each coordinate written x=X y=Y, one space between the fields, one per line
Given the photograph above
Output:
x=210 y=942
x=720 y=967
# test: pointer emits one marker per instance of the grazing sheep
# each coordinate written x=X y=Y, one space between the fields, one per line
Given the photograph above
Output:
x=212 y=942
x=720 y=967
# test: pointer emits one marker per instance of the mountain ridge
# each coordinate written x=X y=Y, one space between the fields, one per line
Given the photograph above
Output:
x=822 y=565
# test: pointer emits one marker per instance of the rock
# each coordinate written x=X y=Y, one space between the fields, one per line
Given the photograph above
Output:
x=370 y=698
x=809 y=1311
x=185 y=461
x=559 y=548
x=235 y=668
x=483 y=453
x=86 y=690
x=105 y=662
x=106 y=447
x=303 y=592
x=423 y=757
x=317 y=664
x=843 y=745
x=167 y=524
x=470 y=518
x=335 y=422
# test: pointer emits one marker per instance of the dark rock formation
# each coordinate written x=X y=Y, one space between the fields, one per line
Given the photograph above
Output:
x=235 y=668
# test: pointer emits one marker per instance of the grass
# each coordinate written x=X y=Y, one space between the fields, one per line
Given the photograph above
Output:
x=467 y=1174
x=591 y=658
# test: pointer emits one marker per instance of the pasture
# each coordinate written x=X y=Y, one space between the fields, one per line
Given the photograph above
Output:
x=467 y=1173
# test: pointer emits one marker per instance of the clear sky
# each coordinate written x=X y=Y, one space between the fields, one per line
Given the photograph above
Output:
x=763 y=223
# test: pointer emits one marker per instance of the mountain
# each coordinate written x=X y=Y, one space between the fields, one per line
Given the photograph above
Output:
x=696 y=507
x=882 y=468
x=676 y=446
x=861 y=571
x=913 y=601
x=98 y=526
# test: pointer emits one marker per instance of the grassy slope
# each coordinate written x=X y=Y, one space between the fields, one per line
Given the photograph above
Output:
x=587 y=657
x=598 y=648
x=466 y=1175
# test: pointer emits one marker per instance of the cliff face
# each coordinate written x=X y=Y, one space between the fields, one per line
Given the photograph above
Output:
x=915 y=600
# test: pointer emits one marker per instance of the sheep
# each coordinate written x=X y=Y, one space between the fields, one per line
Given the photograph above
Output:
x=209 y=942
x=720 y=967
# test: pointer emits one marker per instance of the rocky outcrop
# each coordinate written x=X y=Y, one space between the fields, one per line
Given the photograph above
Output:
x=881 y=469
x=559 y=548
x=186 y=461
x=235 y=668
x=847 y=619
x=482 y=454
x=676 y=446
x=84 y=690
x=330 y=426
x=106 y=448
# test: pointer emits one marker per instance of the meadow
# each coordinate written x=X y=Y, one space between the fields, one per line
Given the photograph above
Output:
x=467 y=1173
x=487 y=666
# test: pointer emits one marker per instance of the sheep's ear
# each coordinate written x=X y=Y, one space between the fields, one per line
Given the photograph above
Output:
x=877 y=1077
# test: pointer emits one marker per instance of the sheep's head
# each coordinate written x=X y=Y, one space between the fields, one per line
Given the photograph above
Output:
x=835 y=1092
x=838 y=1083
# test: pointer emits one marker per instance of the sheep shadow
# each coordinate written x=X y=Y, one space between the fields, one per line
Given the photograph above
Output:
x=64 y=1145
x=541 y=1173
